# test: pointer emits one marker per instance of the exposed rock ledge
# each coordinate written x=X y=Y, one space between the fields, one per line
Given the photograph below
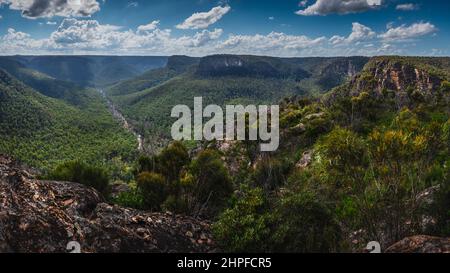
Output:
x=421 y=244
x=43 y=216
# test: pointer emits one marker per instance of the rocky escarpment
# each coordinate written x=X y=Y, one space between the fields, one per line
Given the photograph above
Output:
x=406 y=80
x=44 y=216
x=394 y=75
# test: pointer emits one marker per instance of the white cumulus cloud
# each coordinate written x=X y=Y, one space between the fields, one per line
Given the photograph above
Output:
x=359 y=33
x=281 y=43
x=405 y=32
x=201 y=38
x=151 y=26
x=204 y=19
x=325 y=7
x=50 y=8
x=407 y=7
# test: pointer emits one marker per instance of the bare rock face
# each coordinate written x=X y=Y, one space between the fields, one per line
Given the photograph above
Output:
x=421 y=244
x=44 y=216
x=407 y=81
x=398 y=76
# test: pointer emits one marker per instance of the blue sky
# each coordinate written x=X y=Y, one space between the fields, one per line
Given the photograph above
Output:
x=203 y=27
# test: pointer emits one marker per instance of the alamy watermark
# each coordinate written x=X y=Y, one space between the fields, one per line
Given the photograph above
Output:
x=249 y=122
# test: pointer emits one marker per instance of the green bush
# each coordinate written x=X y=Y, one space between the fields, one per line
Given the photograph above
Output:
x=130 y=199
x=304 y=224
x=153 y=189
x=210 y=183
x=176 y=205
x=344 y=157
x=146 y=164
x=270 y=173
x=445 y=86
x=440 y=208
x=172 y=159
x=245 y=227
x=79 y=172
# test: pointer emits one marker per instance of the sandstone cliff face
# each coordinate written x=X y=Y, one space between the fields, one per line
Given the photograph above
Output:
x=401 y=77
x=406 y=80
x=44 y=216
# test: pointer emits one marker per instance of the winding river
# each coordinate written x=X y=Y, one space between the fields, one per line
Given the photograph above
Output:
x=125 y=124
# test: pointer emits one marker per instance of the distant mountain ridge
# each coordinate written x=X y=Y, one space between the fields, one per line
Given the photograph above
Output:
x=90 y=70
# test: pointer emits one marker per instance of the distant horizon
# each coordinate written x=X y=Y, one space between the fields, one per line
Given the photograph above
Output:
x=218 y=54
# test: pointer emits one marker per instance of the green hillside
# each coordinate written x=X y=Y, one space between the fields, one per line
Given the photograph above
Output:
x=176 y=65
x=43 y=131
x=41 y=82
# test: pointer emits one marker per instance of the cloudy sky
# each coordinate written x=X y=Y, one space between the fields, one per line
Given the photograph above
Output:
x=202 y=27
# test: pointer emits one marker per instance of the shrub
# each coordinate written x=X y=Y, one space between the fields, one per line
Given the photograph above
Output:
x=210 y=183
x=153 y=189
x=78 y=172
x=172 y=159
x=445 y=86
x=130 y=199
x=304 y=224
x=344 y=157
x=270 y=173
x=176 y=205
x=146 y=164
x=245 y=226
x=440 y=208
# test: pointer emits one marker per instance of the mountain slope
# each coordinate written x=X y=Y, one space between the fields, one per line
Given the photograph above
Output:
x=41 y=82
x=43 y=131
x=176 y=65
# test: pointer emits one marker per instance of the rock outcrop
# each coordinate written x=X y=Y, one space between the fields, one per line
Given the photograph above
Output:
x=397 y=76
x=44 y=216
x=408 y=81
x=421 y=244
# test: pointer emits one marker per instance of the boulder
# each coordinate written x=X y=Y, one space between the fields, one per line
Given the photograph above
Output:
x=305 y=161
